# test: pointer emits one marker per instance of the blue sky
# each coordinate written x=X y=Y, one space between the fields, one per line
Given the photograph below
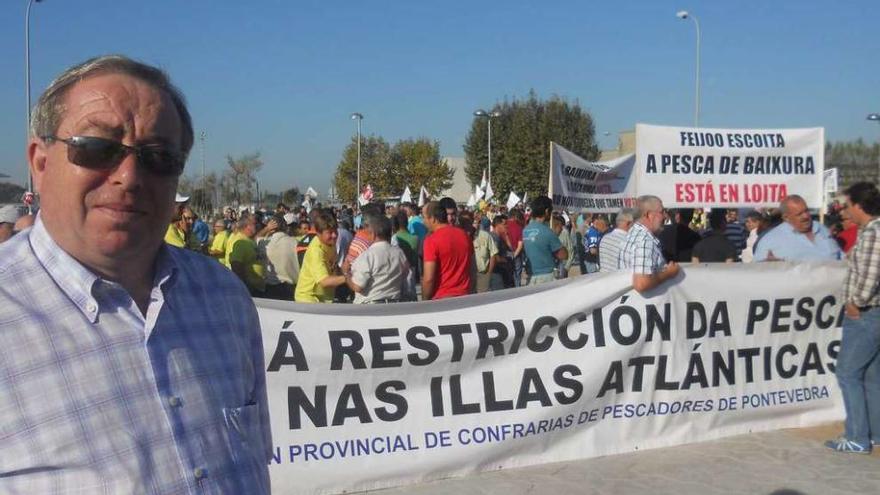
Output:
x=282 y=77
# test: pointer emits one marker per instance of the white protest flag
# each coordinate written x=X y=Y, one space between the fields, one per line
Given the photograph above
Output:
x=525 y=200
x=423 y=196
x=307 y=204
x=512 y=200
x=406 y=197
x=310 y=192
x=478 y=193
x=471 y=201
x=483 y=181
x=489 y=192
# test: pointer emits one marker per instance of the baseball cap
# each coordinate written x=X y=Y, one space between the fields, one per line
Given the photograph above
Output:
x=9 y=214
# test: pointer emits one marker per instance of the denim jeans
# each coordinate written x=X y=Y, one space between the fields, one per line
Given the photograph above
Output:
x=858 y=373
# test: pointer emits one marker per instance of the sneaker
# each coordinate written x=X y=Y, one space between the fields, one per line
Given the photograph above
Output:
x=843 y=445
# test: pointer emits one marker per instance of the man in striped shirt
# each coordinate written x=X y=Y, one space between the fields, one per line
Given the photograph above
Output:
x=641 y=254
x=858 y=363
x=612 y=242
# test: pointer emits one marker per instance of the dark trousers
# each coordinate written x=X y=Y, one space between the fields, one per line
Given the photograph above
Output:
x=280 y=292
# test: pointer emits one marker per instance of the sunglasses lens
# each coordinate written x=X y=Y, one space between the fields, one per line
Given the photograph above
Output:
x=160 y=161
x=95 y=153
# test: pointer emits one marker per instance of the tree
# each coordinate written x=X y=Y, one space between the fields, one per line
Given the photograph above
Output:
x=375 y=163
x=291 y=197
x=521 y=142
x=239 y=182
x=416 y=163
x=10 y=193
x=388 y=170
x=855 y=161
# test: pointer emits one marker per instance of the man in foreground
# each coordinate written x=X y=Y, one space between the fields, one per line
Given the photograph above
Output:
x=858 y=363
x=126 y=365
x=641 y=254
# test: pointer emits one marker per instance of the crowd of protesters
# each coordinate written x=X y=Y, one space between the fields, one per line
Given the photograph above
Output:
x=384 y=254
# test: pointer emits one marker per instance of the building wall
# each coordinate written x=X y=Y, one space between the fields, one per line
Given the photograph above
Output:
x=461 y=188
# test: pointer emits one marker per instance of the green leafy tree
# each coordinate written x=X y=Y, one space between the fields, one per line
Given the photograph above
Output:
x=416 y=163
x=375 y=165
x=521 y=138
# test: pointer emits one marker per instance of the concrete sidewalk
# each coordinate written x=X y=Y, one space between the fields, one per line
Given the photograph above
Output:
x=785 y=462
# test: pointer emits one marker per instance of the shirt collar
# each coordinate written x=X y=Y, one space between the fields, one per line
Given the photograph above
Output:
x=78 y=282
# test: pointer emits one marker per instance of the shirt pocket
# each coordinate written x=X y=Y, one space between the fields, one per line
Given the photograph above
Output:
x=246 y=443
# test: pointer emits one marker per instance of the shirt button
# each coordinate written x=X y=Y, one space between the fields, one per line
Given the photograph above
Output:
x=174 y=401
x=199 y=473
x=91 y=307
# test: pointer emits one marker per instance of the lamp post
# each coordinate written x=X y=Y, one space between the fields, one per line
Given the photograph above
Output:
x=875 y=117
x=27 y=86
x=489 y=116
x=359 y=118
x=684 y=14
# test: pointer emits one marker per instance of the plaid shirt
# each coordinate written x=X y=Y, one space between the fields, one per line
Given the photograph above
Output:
x=862 y=287
x=97 y=398
x=641 y=252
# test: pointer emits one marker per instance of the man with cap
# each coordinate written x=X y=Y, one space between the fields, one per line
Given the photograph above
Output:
x=9 y=214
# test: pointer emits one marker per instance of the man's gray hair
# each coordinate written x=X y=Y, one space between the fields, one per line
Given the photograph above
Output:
x=626 y=215
x=791 y=198
x=50 y=108
x=648 y=203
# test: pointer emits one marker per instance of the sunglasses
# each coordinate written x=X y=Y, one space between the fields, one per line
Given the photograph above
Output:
x=96 y=153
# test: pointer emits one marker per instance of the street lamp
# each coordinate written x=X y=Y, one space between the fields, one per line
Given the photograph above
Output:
x=875 y=117
x=27 y=86
x=683 y=14
x=359 y=118
x=489 y=116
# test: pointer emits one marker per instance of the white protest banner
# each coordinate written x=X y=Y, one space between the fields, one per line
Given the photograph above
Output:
x=743 y=168
x=602 y=187
x=366 y=397
x=406 y=197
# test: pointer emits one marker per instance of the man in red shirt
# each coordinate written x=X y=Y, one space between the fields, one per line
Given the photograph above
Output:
x=449 y=257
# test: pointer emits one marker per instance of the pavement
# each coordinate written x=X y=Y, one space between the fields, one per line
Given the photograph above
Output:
x=783 y=462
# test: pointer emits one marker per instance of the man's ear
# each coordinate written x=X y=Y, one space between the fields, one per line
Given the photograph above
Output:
x=37 y=156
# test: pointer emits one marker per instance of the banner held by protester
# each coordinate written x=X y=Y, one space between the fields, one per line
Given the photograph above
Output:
x=601 y=187
x=371 y=397
x=736 y=168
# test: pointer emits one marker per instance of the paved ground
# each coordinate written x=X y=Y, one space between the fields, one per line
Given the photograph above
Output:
x=785 y=462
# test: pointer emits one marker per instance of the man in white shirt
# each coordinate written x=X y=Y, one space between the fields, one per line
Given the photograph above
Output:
x=380 y=274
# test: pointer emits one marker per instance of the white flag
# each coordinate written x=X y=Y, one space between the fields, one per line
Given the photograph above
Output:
x=483 y=182
x=311 y=192
x=307 y=204
x=406 y=197
x=423 y=196
x=525 y=200
x=478 y=193
x=489 y=192
x=471 y=201
x=512 y=200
